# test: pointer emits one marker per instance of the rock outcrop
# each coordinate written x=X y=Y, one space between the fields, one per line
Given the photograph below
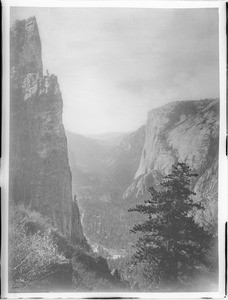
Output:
x=25 y=47
x=40 y=175
x=185 y=131
x=124 y=161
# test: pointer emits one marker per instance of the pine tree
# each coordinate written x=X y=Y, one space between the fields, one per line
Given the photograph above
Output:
x=172 y=246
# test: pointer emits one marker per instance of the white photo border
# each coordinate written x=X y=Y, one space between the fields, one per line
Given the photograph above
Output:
x=222 y=189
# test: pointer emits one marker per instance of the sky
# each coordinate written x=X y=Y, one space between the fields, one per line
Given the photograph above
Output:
x=116 y=64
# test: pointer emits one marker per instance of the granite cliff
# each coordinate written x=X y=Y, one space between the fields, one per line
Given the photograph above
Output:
x=184 y=131
x=40 y=175
x=122 y=163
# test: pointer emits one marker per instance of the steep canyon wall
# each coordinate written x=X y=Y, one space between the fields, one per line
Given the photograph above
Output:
x=40 y=175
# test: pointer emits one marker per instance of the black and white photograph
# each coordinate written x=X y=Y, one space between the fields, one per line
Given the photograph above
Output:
x=114 y=149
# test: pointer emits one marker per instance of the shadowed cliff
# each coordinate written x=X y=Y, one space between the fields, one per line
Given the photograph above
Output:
x=40 y=175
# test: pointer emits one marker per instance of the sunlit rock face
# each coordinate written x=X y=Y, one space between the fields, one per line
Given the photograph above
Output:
x=40 y=175
x=185 y=131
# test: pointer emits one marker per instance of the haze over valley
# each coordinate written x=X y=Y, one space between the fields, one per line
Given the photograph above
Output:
x=113 y=175
x=110 y=178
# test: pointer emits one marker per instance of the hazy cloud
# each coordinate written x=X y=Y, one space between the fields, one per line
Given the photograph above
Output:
x=114 y=65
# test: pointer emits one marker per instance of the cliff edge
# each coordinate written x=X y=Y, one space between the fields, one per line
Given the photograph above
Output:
x=184 y=131
x=40 y=175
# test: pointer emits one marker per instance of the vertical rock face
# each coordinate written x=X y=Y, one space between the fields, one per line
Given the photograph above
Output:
x=25 y=47
x=186 y=131
x=125 y=159
x=40 y=175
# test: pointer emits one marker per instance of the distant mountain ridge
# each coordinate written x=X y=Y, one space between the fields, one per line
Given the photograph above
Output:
x=115 y=158
x=87 y=153
x=109 y=138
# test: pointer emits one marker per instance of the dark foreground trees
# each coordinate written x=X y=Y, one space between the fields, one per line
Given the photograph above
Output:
x=172 y=247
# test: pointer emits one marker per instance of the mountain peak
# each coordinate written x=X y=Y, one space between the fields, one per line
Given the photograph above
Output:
x=25 y=47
